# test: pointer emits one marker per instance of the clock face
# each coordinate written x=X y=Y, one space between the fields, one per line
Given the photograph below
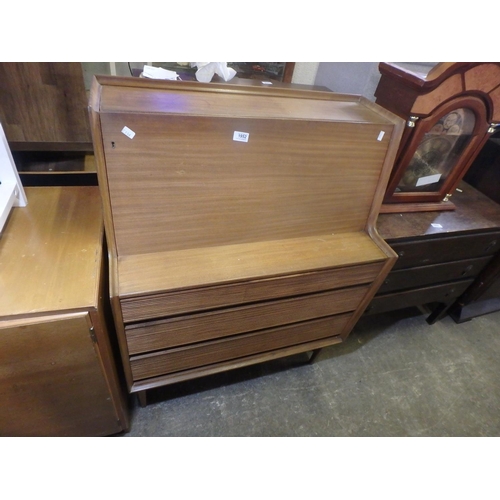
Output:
x=438 y=152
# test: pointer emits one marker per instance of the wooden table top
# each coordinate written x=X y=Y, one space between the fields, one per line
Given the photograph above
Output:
x=475 y=212
x=51 y=251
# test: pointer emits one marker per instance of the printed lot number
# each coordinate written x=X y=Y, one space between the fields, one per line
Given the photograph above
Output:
x=240 y=136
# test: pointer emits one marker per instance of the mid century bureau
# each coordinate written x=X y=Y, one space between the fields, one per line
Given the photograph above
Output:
x=58 y=375
x=240 y=220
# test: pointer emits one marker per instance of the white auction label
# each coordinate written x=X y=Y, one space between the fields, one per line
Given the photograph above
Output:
x=129 y=133
x=241 y=136
x=429 y=179
x=381 y=135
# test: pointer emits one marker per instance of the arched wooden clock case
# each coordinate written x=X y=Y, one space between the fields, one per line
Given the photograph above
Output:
x=450 y=113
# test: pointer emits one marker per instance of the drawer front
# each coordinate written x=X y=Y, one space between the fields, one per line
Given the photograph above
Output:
x=447 y=249
x=399 y=300
x=222 y=323
x=200 y=299
x=185 y=358
x=417 y=277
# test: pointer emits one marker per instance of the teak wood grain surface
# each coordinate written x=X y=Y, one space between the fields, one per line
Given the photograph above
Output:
x=232 y=211
x=43 y=105
x=58 y=375
x=43 y=269
x=51 y=382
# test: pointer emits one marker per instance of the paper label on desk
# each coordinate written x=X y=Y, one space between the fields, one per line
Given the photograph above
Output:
x=381 y=135
x=438 y=226
x=241 y=136
x=129 y=133
x=428 y=179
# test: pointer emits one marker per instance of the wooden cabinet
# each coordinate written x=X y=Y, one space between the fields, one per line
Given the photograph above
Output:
x=439 y=254
x=240 y=220
x=58 y=375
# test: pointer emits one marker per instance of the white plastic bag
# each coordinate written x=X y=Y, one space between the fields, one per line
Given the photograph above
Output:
x=206 y=71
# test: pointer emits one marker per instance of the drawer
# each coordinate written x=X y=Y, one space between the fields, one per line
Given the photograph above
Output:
x=417 y=277
x=185 y=358
x=399 y=300
x=155 y=335
x=447 y=249
x=200 y=299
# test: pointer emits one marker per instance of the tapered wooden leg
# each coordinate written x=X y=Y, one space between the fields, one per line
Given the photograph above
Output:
x=439 y=313
x=314 y=355
x=141 y=396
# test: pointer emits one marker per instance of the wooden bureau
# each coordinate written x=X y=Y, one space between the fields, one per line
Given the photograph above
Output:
x=58 y=375
x=240 y=220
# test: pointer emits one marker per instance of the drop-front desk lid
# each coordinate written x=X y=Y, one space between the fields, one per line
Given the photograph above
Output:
x=199 y=177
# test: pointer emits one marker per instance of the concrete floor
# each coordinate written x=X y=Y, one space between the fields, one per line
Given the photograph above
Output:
x=394 y=376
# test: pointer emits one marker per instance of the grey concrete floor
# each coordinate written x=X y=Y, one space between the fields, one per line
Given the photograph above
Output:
x=394 y=376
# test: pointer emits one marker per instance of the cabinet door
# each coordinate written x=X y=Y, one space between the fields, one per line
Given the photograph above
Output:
x=51 y=379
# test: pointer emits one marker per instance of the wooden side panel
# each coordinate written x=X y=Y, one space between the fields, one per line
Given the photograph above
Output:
x=189 y=329
x=183 y=182
x=185 y=358
x=51 y=381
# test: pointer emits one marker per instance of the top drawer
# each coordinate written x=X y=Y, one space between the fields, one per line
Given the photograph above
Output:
x=205 y=298
x=445 y=249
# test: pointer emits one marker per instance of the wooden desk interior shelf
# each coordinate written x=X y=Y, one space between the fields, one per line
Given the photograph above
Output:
x=57 y=368
x=240 y=220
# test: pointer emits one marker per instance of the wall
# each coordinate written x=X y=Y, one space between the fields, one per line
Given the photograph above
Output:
x=358 y=77
x=305 y=72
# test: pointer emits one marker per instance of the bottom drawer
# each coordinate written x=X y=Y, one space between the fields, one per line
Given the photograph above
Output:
x=185 y=358
x=399 y=300
x=200 y=327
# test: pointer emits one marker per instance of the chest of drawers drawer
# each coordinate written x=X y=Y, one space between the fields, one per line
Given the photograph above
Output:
x=416 y=277
x=442 y=292
x=148 y=307
x=426 y=251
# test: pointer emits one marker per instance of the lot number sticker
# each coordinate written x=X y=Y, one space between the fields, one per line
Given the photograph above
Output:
x=240 y=136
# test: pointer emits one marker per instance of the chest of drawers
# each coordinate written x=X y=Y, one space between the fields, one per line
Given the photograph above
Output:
x=439 y=254
x=240 y=220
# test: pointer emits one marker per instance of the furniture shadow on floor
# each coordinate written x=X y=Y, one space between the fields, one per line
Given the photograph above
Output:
x=219 y=380
x=366 y=330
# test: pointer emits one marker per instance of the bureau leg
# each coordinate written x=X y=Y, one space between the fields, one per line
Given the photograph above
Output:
x=314 y=355
x=141 y=396
x=438 y=313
